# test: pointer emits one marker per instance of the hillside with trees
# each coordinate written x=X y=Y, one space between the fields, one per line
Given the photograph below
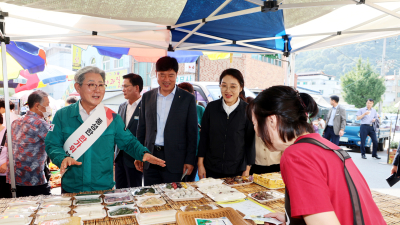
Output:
x=338 y=61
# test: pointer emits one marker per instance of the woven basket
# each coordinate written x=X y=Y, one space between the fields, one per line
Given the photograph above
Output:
x=187 y=218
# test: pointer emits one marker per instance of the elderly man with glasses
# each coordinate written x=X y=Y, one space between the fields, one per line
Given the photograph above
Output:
x=82 y=139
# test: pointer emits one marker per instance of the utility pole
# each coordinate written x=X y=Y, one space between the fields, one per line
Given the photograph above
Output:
x=383 y=70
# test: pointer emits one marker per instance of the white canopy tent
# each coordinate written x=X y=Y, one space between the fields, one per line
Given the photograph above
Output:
x=142 y=25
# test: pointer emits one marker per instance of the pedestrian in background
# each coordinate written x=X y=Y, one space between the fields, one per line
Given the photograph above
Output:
x=226 y=146
x=71 y=100
x=336 y=120
x=200 y=112
x=368 y=116
x=28 y=136
x=316 y=187
x=5 y=188
x=321 y=126
x=13 y=116
x=126 y=174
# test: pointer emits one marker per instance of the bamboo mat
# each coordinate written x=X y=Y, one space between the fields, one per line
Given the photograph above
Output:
x=389 y=205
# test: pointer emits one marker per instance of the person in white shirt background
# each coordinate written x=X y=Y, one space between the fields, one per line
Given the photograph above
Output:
x=13 y=116
x=321 y=125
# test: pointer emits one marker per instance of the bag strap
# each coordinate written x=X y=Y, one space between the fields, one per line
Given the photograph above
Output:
x=3 y=141
x=358 y=218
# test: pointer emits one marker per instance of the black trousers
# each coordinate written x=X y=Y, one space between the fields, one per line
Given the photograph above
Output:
x=5 y=188
x=24 y=191
x=126 y=176
x=367 y=130
x=257 y=169
x=215 y=175
x=331 y=136
x=157 y=175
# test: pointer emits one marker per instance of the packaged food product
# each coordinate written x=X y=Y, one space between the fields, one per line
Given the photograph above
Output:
x=90 y=212
x=196 y=208
x=89 y=199
x=120 y=203
x=15 y=219
x=118 y=191
x=175 y=186
x=144 y=190
x=162 y=217
x=214 y=188
x=150 y=202
x=65 y=221
x=266 y=196
x=120 y=211
x=238 y=180
x=24 y=209
x=184 y=195
x=226 y=195
x=22 y=202
x=208 y=181
x=51 y=216
x=49 y=207
x=59 y=203
x=57 y=199
x=269 y=180
x=120 y=197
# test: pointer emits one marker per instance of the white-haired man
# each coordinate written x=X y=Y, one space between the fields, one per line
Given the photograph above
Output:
x=84 y=136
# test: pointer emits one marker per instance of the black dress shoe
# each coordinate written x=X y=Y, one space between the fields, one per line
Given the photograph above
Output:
x=376 y=157
x=363 y=156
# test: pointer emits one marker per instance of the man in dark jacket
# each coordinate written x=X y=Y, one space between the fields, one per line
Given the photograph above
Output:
x=126 y=175
x=168 y=126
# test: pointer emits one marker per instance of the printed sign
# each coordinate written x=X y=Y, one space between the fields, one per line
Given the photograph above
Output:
x=114 y=79
x=76 y=57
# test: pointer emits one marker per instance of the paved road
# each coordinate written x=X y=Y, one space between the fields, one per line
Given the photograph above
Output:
x=376 y=171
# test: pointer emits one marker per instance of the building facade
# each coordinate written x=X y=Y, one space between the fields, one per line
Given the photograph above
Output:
x=327 y=85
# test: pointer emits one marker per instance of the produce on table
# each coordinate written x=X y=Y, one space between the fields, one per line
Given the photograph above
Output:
x=117 y=191
x=87 y=201
x=176 y=185
x=269 y=180
x=117 y=198
x=151 y=202
x=51 y=216
x=238 y=180
x=66 y=221
x=21 y=209
x=123 y=211
x=15 y=219
x=120 y=203
x=183 y=193
x=142 y=191
x=198 y=208
x=263 y=195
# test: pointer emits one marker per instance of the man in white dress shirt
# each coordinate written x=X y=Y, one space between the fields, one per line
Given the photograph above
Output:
x=126 y=175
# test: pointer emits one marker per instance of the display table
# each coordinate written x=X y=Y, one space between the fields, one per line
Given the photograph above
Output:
x=389 y=206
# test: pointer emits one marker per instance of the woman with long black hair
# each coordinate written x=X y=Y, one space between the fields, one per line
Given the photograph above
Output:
x=316 y=176
x=226 y=146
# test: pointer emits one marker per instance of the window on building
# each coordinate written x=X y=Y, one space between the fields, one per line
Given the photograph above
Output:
x=304 y=83
x=118 y=63
x=93 y=62
x=322 y=92
x=398 y=94
x=144 y=70
x=298 y=83
x=398 y=83
x=313 y=83
x=106 y=63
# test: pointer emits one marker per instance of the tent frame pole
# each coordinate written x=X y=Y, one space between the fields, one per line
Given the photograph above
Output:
x=5 y=40
x=382 y=9
x=204 y=21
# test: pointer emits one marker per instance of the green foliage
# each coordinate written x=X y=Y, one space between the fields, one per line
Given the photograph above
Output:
x=387 y=109
x=394 y=145
x=362 y=83
x=339 y=60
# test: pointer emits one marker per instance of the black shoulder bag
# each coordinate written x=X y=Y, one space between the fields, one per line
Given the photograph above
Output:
x=358 y=218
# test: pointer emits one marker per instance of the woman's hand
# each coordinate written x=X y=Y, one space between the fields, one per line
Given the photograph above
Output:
x=3 y=168
x=202 y=171
x=394 y=170
x=277 y=216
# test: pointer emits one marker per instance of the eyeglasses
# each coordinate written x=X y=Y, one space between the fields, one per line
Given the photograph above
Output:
x=126 y=86
x=93 y=87
x=225 y=88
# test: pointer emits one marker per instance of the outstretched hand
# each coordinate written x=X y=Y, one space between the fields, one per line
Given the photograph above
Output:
x=153 y=160
x=68 y=161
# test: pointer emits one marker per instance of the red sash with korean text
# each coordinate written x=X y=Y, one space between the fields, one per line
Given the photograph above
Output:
x=88 y=133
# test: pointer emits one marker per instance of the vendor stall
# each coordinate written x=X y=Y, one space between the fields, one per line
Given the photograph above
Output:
x=174 y=203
